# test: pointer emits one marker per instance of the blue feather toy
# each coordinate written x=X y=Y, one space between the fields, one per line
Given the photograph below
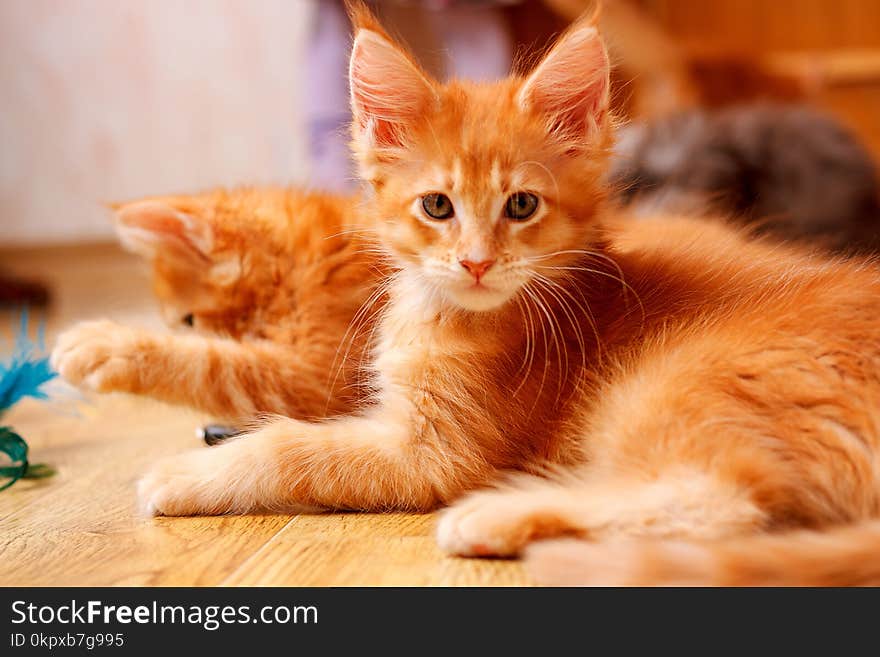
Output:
x=23 y=374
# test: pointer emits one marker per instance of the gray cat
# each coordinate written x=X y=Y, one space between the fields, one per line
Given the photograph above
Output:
x=787 y=170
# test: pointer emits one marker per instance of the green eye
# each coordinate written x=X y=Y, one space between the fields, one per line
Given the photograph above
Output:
x=521 y=206
x=437 y=206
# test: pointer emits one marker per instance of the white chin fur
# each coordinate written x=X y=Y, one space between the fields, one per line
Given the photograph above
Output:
x=478 y=300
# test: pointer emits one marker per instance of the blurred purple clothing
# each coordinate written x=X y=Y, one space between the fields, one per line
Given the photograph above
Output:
x=326 y=98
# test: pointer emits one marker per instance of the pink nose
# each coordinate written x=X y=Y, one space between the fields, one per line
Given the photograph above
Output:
x=477 y=269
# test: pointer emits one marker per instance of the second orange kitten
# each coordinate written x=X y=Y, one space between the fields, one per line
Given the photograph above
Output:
x=264 y=286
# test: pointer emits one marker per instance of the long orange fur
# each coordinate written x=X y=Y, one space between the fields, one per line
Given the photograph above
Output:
x=683 y=404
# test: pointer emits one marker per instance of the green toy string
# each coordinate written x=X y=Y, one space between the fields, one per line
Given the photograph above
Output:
x=16 y=449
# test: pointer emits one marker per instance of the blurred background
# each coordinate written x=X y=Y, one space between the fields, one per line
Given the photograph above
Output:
x=114 y=99
x=107 y=100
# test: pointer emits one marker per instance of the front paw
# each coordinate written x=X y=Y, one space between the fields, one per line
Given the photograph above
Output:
x=486 y=524
x=99 y=355
x=183 y=485
x=229 y=478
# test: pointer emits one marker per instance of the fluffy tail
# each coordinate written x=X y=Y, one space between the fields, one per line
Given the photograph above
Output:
x=842 y=556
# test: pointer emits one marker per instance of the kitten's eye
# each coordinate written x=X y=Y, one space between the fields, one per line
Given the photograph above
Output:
x=521 y=206
x=189 y=320
x=437 y=206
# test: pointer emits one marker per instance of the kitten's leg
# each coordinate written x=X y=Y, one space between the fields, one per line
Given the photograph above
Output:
x=223 y=377
x=352 y=463
x=502 y=522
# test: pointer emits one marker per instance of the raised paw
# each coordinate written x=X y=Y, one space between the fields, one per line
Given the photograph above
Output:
x=492 y=524
x=100 y=355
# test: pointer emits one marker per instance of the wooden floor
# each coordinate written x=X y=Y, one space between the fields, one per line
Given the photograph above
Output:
x=81 y=528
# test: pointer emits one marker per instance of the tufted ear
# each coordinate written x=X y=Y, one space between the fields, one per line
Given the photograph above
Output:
x=389 y=92
x=570 y=87
x=154 y=226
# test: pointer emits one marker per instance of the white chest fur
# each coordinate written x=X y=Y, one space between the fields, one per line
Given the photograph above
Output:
x=411 y=332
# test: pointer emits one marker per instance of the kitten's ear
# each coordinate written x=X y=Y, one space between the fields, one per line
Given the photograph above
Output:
x=389 y=92
x=570 y=87
x=155 y=226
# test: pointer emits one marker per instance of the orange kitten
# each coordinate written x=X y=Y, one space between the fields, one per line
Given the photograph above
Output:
x=264 y=285
x=682 y=396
